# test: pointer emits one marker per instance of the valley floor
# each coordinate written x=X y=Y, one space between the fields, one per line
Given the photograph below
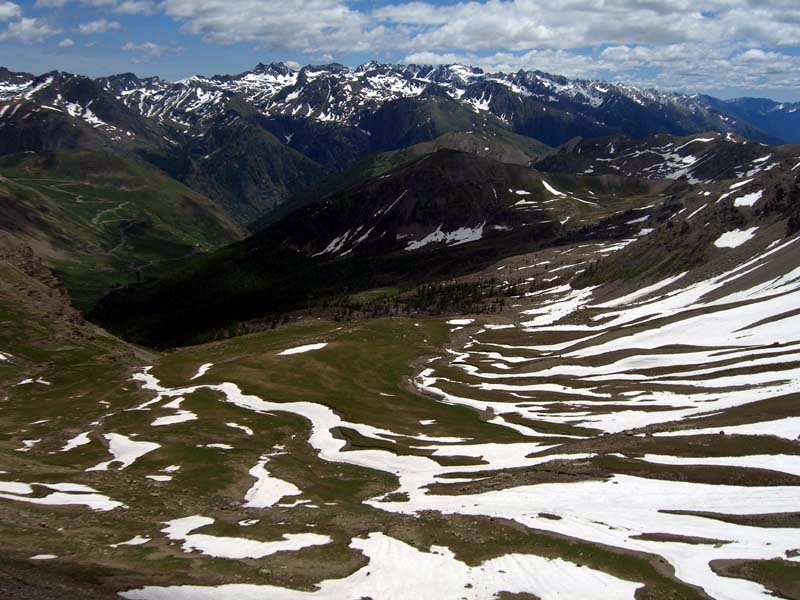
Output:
x=640 y=444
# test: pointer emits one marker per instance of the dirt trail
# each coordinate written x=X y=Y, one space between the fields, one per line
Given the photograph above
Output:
x=97 y=221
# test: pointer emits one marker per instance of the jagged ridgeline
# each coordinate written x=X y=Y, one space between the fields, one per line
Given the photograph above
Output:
x=284 y=129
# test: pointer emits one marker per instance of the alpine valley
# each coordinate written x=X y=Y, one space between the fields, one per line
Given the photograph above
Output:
x=396 y=331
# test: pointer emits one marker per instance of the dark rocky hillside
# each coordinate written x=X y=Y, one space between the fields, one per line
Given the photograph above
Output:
x=445 y=214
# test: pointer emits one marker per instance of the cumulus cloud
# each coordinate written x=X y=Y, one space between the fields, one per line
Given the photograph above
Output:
x=136 y=7
x=520 y=25
x=50 y=3
x=703 y=66
x=28 y=31
x=676 y=44
x=66 y=43
x=9 y=10
x=145 y=51
x=310 y=26
x=98 y=26
x=673 y=44
x=683 y=67
x=127 y=7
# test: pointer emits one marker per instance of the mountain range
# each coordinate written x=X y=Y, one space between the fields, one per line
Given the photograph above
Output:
x=122 y=179
x=286 y=128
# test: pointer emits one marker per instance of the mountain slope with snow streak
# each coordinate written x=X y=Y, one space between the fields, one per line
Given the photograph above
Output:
x=449 y=213
x=705 y=158
x=716 y=357
x=571 y=443
x=445 y=214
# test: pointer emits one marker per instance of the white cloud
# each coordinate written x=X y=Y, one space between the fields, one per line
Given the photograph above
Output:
x=413 y=13
x=66 y=43
x=98 y=26
x=127 y=7
x=676 y=44
x=28 y=31
x=564 y=36
x=136 y=7
x=9 y=10
x=521 y=25
x=307 y=25
x=50 y=3
x=703 y=66
x=144 y=52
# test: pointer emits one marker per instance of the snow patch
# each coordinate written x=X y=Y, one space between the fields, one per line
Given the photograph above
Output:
x=303 y=349
x=125 y=450
x=202 y=371
x=551 y=189
x=735 y=238
x=462 y=235
x=436 y=574
x=267 y=490
x=234 y=547
x=748 y=199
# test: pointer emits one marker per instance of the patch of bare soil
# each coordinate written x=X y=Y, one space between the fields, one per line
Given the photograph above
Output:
x=778 y=520
x=605 y=467
x=781 y=577
x=683 y=539
x=22 y=580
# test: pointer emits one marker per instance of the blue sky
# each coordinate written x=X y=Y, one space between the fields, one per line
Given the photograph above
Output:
x=723 y=47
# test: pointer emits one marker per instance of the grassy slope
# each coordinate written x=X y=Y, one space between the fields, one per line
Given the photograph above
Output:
x=100 y=220
x=360 y=375
x=362 y=361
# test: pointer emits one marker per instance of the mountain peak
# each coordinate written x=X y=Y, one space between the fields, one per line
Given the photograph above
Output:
x=279 y=68
x=333 y=67
x=369 y=66
x=465 y=70
x=8 y=75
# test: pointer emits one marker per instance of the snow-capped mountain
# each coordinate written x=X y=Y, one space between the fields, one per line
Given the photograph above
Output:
x=61 y=110
x=284 y=128
x=181 y=106
x=193 y=132
x=549 y=107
